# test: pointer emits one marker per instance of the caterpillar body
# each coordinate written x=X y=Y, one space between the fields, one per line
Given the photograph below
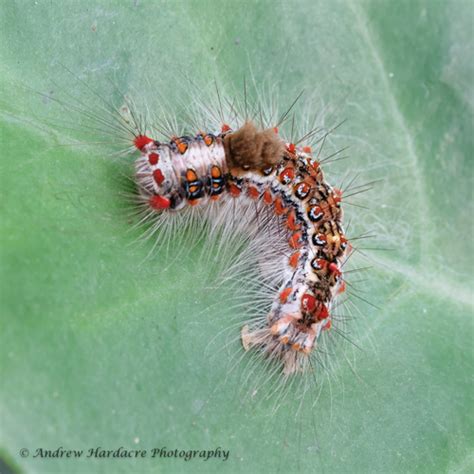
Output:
x=263 y=174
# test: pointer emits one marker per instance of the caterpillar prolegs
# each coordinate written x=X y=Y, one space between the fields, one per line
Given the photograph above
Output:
x=257 y=170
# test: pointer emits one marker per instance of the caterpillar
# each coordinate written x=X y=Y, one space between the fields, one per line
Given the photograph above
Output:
x=248 y=179
x=257 y=169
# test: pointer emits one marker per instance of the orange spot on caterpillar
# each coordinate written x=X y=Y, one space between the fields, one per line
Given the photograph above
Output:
x=253 y=192
x=284 y=294
x=216 y=172
x=153 y=158
x=193 y=202
x=159 y=202
x=141 y=142
x=293 y=260
x=275 y=129
x=295 y=241
x=225 y=128
x=307 y=149
x=191 y=175
x=158 y=176
x=215 y=197
x=342 y=287
x=182 y=147
x=208 y=140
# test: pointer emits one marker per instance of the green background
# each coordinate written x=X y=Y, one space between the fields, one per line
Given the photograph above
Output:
x=103 y=346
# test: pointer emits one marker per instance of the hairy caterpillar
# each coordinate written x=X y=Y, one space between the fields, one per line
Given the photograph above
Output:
x=256 y=168
x=247 y=179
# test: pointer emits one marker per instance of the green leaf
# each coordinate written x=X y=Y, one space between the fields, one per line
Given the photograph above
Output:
x=104 y=344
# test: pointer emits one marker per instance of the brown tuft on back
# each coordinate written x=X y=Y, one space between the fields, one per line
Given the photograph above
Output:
x=253 y=148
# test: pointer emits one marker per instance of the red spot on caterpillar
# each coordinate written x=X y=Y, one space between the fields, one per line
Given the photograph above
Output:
x=320 y=239
x=284 y=295
x=344 y=241
x=327 y=326
x=302 y=190
x=158 y=176
x=307 y=149
x=159 y=202
x=141 y=141
x=287 y=175
x=295 y=241
x=234 y=190
x=291 y=221
x=322 y=263
x=267 y=197
x=293 y=261
x=308 y=302
x=333 y=269
x=337 y=196
x=153 y=158
x=342 y=287
x=279 y=207
x=253 y=192
x=315 y=213
x=322 y=312
x=275 y=129
x=313 y=168
x=291 y=147
x=225 y=128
